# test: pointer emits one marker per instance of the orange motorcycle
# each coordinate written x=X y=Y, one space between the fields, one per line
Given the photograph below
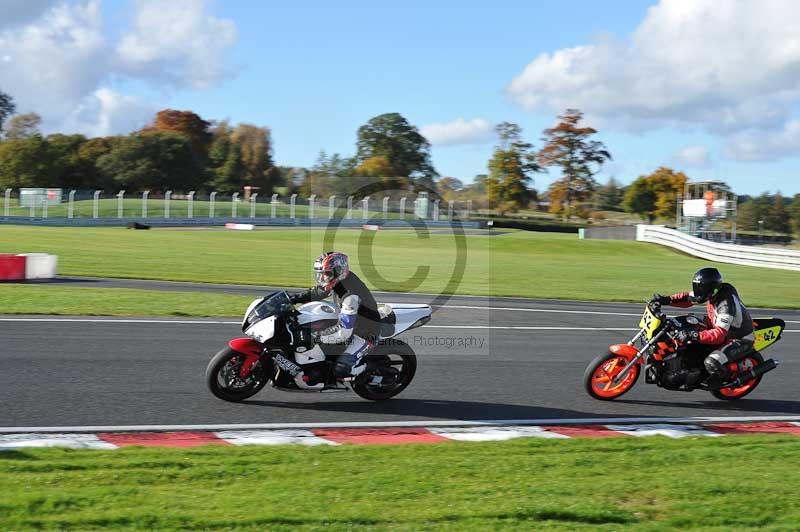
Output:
x=672 y=365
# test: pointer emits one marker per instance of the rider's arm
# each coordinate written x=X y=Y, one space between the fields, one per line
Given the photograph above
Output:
x=312 y=294
x=717 y=333
x=681 y=299
x=342 y=331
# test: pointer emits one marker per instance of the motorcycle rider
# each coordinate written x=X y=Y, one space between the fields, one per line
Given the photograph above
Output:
x=359 y=320
x=729 y=327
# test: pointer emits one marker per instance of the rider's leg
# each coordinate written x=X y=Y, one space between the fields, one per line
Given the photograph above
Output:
x=735 y=350
x=348 y=364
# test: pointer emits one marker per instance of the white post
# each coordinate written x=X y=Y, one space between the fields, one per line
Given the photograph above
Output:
x=436 y=211
x=450 y=210
x=95 y=206
x=311 y=199
x=272 y=205
x=469 y=209
x=191 y=204
x=211 y=198
x=45 y=204
x=678 y=211
x=386 y=207
x=120 y=200
x=71 y=204
x=234 y=200
x=331 y=206
x=167 y=197
x=349 y=207
x=291 y=205
x=365 y=208
x=7 y=206
x=403 y=208
x=253 y=204
x=144 y=203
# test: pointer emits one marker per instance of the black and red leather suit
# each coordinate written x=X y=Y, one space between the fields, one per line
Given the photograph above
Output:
x=729 y=326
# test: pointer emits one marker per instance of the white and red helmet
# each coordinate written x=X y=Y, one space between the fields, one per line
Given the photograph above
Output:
x=330 y=268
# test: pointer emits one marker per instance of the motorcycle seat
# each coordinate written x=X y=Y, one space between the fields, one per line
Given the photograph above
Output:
x=388 y=320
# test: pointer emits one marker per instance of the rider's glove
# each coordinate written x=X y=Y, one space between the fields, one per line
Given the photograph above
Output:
x=687 y=335
x=661 y=300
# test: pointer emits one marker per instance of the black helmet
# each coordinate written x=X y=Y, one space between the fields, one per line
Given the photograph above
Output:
x=705 y=283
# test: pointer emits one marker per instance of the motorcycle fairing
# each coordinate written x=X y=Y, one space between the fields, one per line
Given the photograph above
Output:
x=251 y=351
x=407 y=316
x=624 y=350
x=767 y=332
x=263 y=330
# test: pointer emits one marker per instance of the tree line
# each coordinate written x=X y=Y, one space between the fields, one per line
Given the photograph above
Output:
x=181 y=151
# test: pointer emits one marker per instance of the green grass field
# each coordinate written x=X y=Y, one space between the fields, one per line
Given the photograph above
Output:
x=721 y=484
x=525 y=264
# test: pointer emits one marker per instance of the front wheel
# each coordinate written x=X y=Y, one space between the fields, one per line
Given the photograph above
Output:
x=748 y=362
x=390 y=368
x=599 y=376
x=225 y=380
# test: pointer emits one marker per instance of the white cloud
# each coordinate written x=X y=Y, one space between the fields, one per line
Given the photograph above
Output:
x=765 y=145
x=458 y=131
x=176 y=42
x=105 y=111
x=62 y=63
x=693 y=157
x=725 y=66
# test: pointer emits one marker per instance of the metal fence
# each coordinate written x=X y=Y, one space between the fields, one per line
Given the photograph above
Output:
x=83 y=204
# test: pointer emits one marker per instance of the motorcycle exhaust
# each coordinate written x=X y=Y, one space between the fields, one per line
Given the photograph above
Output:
x=744 y=376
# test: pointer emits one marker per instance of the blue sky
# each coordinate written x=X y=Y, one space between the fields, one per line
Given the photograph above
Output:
x=647 y=74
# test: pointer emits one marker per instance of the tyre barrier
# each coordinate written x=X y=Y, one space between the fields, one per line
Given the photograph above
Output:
x=27 y=266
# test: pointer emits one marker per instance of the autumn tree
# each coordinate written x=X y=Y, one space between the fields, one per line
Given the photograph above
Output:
x=23 y=126
x=511 y=168
x=7 y=108
x=186 y=123
x=655 y=195
x=408 y=153
x=255 y=147
x=568 y=145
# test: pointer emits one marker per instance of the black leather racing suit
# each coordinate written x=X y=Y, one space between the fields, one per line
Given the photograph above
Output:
x=728 y=326
x=359 y=320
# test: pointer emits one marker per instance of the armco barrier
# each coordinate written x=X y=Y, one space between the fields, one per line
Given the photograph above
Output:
x=729 y=253
x=27 y=266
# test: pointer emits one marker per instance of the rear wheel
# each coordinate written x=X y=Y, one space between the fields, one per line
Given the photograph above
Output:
x=390 y=369
x=225 y=380
x=600 y=373
x=748 y=362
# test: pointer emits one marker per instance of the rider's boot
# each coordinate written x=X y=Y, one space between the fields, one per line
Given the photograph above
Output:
x=351 y=363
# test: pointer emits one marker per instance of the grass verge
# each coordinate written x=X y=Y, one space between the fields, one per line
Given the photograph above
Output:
x=543 y=265
x=78 y=301
x=731 y=483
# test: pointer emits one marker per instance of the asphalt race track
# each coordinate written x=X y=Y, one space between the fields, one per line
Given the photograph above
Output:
x=479 y=359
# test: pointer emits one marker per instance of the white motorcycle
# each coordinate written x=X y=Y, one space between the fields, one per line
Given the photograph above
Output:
x=268 y=353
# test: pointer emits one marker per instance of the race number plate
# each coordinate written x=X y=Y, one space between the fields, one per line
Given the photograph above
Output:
x=649 y=323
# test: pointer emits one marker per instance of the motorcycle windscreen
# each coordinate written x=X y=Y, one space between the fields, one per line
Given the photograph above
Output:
x=767 y=332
